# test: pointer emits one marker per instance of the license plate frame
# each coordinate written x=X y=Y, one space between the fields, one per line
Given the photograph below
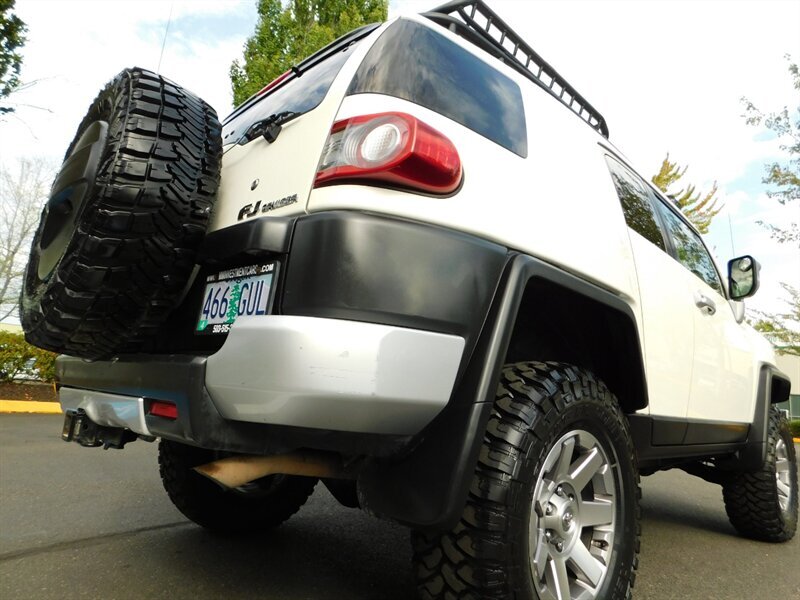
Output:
x=251 y=287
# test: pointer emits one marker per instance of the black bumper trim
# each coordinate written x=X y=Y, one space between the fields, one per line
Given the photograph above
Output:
x=269 y=234
x=378 y=269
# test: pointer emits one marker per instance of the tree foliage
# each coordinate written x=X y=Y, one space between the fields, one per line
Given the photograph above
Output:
x=782 y=329
x=12 y=37
x=699 y=208
x=19 y=358
x=23 y=192
x=286 y=35
x=783 y=177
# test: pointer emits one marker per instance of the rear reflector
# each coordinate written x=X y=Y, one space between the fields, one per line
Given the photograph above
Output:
x=166 y=410
x=392 y=148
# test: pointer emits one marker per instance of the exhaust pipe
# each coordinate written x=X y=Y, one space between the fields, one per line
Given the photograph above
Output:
x=235 y=471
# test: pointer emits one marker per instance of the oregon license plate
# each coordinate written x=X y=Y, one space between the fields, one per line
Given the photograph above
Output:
x=234 y=293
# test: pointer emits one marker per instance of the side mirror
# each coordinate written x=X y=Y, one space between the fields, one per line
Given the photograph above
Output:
x=743 y=277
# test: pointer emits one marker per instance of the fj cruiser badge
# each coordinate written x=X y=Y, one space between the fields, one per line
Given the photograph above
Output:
x=251 y=210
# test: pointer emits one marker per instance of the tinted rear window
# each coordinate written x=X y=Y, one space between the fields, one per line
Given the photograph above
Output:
x=412 y=62
x=299 y=94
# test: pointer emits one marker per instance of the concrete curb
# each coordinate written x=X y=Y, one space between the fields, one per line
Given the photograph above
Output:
x=30 y=406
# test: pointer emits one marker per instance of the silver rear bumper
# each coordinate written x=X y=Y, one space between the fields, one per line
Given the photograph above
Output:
x=333 y=374
x=308 y=372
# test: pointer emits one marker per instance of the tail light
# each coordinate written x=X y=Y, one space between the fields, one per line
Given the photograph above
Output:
x=391 y=148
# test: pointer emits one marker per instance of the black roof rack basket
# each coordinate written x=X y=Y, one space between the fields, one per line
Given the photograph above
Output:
x=473 y=20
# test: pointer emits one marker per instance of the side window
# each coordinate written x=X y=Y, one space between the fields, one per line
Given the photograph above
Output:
x=691 y=252
x=635 y=199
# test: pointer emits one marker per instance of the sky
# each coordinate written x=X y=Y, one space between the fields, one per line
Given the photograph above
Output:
x=667 y=76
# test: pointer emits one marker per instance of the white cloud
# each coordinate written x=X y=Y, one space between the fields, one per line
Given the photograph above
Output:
x=72 y=63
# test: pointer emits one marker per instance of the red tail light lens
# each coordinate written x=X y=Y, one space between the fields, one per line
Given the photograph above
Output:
x=166 y=410
x=393 y=148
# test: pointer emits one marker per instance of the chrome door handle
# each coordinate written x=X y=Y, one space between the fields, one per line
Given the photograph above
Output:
x=704 y=303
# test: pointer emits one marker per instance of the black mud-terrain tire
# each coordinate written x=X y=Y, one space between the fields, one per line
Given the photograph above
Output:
x=539 y=408
x=752 y=498
x=256 y=506
x=118 y=237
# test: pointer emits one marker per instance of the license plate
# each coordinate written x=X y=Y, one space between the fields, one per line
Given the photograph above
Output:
x=234 y=293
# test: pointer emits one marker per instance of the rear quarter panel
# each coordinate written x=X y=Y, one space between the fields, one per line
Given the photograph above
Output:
x=557 y=204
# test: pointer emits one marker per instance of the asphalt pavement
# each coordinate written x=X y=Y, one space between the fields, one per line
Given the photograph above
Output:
x=86 y=523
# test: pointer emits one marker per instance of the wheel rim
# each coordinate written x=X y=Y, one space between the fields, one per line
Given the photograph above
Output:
x=68 y=197
x=571 y=532
x=783 y=476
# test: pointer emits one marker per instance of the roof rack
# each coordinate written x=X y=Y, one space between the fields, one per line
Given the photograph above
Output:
x=476 y=22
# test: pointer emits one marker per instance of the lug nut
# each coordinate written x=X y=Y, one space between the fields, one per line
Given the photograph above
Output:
x=560 y=491
x=559 y=546
x=549 y=509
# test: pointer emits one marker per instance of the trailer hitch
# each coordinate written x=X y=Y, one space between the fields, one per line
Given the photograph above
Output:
x=78 y=427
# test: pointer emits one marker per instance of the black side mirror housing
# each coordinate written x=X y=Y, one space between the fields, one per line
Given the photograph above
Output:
x=743 y=280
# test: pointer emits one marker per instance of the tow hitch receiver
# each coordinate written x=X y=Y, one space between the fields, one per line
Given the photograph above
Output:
x=78 y=427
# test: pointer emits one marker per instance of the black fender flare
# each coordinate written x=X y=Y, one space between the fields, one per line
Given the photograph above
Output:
x=773 y=387
x=427 y=488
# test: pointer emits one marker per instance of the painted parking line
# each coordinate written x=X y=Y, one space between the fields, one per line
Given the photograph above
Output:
x=28 y=406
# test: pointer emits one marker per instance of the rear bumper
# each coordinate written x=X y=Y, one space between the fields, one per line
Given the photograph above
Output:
x=371 y=328
x=302 y=372
x=333 y=374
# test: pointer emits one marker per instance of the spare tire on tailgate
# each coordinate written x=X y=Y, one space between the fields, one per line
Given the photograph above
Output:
x=118 y=237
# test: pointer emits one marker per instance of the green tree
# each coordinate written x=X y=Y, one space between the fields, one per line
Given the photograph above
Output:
x=286 y=35
x=12 y=37
x=699 y=208
x=18 y=357
x=783 y=177
x=782 y=329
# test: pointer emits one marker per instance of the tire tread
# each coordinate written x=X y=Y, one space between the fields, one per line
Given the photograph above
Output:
x=133 y=252
x=221 y=511
x=471 y=560
x=751 y=497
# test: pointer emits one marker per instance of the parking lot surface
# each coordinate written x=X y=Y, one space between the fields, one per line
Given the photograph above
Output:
x=87 y=523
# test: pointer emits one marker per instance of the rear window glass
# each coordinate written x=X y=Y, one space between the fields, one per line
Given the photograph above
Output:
x=300 y=94
x=412 y=62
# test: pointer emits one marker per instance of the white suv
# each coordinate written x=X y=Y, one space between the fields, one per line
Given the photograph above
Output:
x=414 y=267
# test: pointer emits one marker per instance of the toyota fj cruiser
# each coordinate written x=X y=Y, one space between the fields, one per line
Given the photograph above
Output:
x=413 y=267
